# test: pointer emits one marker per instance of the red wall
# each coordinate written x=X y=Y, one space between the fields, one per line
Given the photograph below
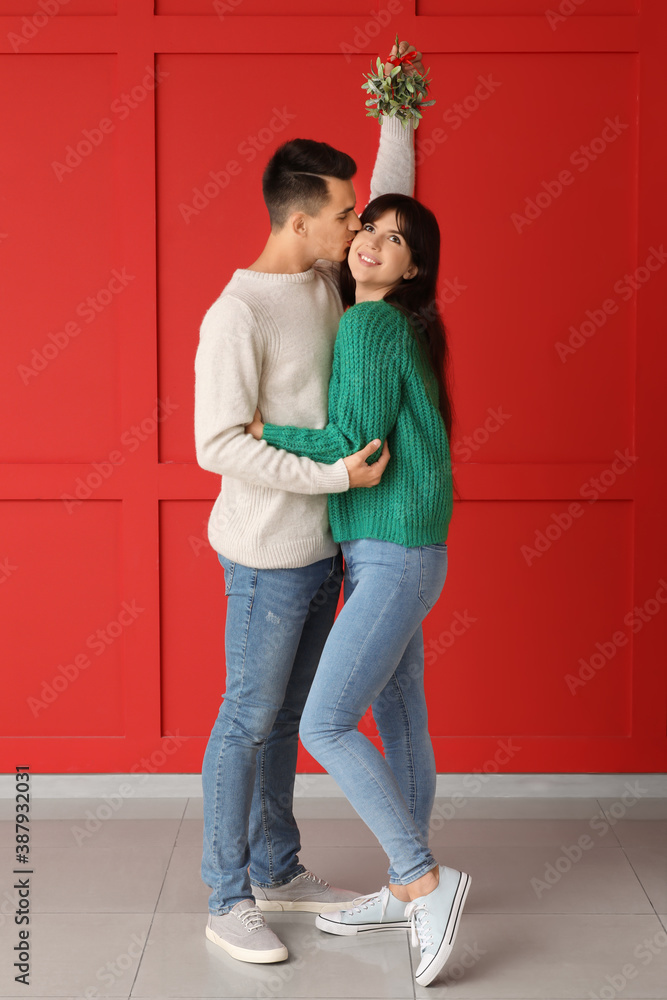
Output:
x=112 y=600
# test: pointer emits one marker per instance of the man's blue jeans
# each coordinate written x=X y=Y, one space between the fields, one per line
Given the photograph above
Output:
x=374 y=655
x=278 y=621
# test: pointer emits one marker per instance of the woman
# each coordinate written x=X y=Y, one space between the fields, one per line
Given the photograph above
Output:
x=388 y=380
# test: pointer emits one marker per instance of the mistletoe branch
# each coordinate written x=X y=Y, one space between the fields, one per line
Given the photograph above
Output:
x=397 y=94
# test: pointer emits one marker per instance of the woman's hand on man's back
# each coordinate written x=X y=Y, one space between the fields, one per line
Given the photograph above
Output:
x=360 y=472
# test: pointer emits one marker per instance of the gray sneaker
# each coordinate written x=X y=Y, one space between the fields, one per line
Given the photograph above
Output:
x=245 y=935
x=305 y=892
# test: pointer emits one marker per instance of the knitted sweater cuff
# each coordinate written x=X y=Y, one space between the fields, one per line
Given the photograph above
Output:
x=392 y=129
x=332 y=478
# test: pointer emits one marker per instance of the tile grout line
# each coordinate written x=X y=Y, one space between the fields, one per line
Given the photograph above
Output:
x=157 y=901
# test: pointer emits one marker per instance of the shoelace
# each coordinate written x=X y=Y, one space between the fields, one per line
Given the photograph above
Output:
x=312 y=878
x=252 y=918
x=420 y=927
x=369 y=900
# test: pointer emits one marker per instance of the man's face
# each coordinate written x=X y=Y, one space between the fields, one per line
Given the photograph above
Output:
x=331 y=232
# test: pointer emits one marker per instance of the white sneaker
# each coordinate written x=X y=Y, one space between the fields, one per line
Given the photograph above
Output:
x=245 y=935
x=379 y=911
x=435 y=920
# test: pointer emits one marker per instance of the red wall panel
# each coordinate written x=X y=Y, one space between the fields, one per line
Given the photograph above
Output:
x=550 y=633
x=61 y=350
x=65 y=621
x=482 y=159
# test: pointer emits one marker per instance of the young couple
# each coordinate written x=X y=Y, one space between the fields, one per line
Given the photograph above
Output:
x=297 y=495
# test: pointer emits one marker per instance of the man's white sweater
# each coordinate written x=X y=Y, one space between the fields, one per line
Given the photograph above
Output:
x=267 y=341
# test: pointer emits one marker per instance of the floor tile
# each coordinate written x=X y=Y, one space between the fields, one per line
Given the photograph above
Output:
x=336 y=833
x=131 y=807
x=549 y=879
x=518 y=832
x=444 y=832
x=184 y=890
x=76 y=952
x=643 y=808
x=466 y=806
x=533 y=879
x=97 y=880
x=331 y=807
x=642 y=833
x=194 y=809
x=93 y=832
x=180 y=962
x=539 y=957
x=543 y=921
x=650 y=866
x=190 y=833
x=508 y=807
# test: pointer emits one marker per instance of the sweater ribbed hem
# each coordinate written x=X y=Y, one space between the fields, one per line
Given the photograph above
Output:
x=288 y=555
x=410 y=537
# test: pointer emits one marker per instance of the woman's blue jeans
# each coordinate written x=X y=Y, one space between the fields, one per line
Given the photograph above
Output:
x=374 y=655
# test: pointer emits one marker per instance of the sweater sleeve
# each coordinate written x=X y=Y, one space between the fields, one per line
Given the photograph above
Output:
x=365 y=393
x=228 y=366
x=394 y=170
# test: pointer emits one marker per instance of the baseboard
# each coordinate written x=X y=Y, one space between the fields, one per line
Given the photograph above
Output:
x=478 y=785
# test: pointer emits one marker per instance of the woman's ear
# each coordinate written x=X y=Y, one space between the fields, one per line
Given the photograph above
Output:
x=411 y=272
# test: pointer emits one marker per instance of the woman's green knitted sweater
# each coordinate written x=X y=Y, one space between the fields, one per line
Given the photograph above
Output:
x=382 y=387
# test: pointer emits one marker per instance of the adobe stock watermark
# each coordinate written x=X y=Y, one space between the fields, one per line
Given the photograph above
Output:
x=112 y=804
x=581 y=158
x=449 y=292
x=365 y=33
x=474 y=783
x=92 y=138
x=32 y=25
x=199 y=542
x=470 y=443
x=591 y=490
x=457 y=627
x=248 y=149
x=455 y=116
x=115 y=968
x=88 y=310
x=7 y=570
x=130 y=439
x=625 y=288
x=97 y=642
x=600 y=824
x=606 y=651
x=222 y=7
x=645 y=951
x=280 y=975
x=566 y=8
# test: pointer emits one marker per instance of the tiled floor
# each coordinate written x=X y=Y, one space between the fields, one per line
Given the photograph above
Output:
x=119 y=908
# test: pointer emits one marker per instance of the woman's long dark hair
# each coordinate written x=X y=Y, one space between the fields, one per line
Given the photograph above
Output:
x=416 y=297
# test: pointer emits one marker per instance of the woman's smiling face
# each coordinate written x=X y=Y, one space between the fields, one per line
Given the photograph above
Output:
x=379 y=258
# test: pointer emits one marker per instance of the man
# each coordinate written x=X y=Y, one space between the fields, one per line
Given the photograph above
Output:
x=267 y=342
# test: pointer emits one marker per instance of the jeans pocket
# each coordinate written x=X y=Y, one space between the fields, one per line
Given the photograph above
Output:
x=228 y=568
x=433 y=572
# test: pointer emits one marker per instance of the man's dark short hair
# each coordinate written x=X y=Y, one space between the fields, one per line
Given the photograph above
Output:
x=294 y=178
